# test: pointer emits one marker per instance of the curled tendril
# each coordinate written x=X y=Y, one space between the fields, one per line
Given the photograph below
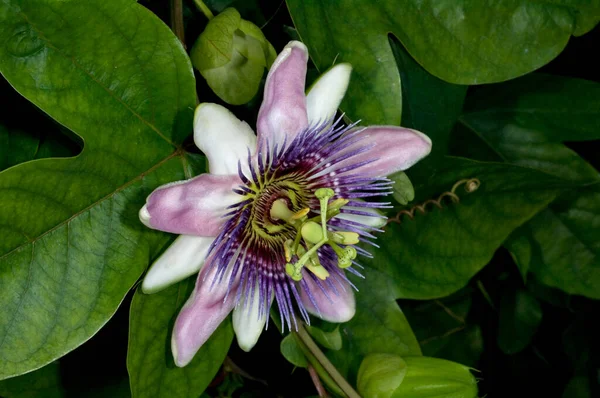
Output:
x=470 y=185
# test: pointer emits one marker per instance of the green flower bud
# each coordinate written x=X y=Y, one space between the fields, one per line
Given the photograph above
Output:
x=232 y=54
x=389 y=376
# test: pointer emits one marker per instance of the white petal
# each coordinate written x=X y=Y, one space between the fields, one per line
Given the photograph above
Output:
x=223 y=138
x=377 y=221
x=145 y=216
x=247 y=323
x=183 y=258
x=326 y=94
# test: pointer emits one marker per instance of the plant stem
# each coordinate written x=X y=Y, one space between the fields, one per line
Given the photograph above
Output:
x=485 y=294
x=324 y=361
x=317 y=367
x=204 y=9
x=177 y=20
x=317 y=382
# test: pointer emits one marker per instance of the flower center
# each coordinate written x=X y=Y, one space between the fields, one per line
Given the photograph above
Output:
x=261 y=197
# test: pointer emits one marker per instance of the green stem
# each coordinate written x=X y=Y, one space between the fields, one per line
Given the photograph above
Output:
x=323 y=374
x=485 y=294
x=324 y=361
x=204 y=9
x=314 y=376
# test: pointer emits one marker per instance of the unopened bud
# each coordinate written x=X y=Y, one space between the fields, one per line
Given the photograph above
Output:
x=390 y=376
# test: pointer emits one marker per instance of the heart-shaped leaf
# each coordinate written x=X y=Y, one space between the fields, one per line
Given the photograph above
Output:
x=292 y=352
x=435 y=254
x=460 y=41
x=72 y=244
x=526 y=122
x=560 y=245
x=429 y=104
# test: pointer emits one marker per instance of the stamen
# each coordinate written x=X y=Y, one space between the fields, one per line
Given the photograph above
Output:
x=345 y=238
x=300 y=214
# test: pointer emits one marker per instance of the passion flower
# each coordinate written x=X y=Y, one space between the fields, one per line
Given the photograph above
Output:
x=280 y=214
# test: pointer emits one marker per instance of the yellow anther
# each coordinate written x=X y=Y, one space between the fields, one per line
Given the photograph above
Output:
x=337 y=204
x=299 y=214
x=345 y=238
x=287 y=248
x=318 y=270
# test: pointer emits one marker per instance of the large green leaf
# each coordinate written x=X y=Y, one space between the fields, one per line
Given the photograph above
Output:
x=43 y=383
x=26 y=133
x=561 y=246
x=525 y=122
x=72 y=243
x=16 y=147
x=435 y=254
x=19 y=146
x=460 y=41
x=429 y=104
x=149 y=360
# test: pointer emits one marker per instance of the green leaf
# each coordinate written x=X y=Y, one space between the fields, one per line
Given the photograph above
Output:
x=72 y=244
x=525 y=122
x=437 y=253
x=292 y=352
x=16 y=147
x=379 y=326
x=442 y=329
x=43 y=383
x=520 y=316
x=465 y=347
x=560 y=244
x=331 y=339
x=429 y=104
x=578 y=387
x=434 y=321
x=464 y=41
x=404 y=191
x=19 y=146
x=149 y=359
x=26 y=133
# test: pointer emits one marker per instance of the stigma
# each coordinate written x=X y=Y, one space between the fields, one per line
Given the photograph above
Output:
x=312 y=233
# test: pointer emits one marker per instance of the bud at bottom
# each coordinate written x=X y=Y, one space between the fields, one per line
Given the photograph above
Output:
x=390 y=376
